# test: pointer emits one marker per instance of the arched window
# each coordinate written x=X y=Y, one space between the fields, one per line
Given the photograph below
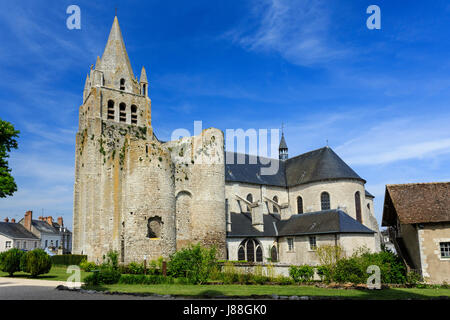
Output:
x=133 y=114
x=250 y=250
x=325 y=201
x=358 y=206
x=299 y=205
x=122 y=84
x=274 y=254
x=241 y=253
x=275 y=208
x=122 y=112
x=259 y=254
x=249 y=199
x=154 y=227
x=144 y=89
x=110 y=110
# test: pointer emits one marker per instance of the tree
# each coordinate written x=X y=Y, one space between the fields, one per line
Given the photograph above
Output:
x=7 y=143
x=10 y=261
x=36 y=262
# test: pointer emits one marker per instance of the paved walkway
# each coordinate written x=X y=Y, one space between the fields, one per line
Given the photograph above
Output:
x=29 y=289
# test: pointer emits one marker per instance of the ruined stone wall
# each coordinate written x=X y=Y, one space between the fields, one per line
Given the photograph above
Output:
x=200 y=189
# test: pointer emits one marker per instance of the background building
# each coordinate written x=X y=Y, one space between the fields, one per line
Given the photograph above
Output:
x=14 y=235
x=418 y=219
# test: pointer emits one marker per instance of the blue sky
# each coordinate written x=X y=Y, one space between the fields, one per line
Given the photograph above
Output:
x=380 y=97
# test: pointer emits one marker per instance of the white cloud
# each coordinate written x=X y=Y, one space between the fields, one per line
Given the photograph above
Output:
x=397 y=140
x=297 y=30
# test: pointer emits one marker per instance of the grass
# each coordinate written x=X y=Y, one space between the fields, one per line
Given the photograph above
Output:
x=280 y=290
x=57 y=273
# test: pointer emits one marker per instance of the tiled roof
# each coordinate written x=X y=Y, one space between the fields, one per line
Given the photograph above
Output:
x=417 y=203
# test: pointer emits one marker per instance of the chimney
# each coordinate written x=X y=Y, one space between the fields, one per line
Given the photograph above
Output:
x=6 y=219
x=50 y=220
x=27 y=220
x=60 y=221
x=13 y=220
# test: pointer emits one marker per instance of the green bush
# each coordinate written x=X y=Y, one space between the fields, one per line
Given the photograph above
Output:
x=349 y=270
x=136 y=268
x=36 y=262
x=302 y=273
x=413 y=278
x=93 y=279
x=146 y=279
x=325 y=273
x=282 y=280
x=111 y=260
x=10 y=261
x=195 y=263
x=88 y=266
x=109 y=276
x=68 y=259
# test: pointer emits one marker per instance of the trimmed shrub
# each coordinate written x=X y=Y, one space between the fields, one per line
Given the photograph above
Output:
x=10 y=261
x=195 y=263
x=109 y=276
x=302 y=273
x=146 y=279
x=36 y=262
x=68 y=259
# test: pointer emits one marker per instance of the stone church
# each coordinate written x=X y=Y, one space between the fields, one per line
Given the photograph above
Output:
x=147 y=198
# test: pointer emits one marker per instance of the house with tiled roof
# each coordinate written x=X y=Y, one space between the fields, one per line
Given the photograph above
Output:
x=14 y=235
x=418 y=219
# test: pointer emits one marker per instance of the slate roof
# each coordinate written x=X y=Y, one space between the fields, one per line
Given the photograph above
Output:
x=241 y=225
x=318 y=165
x=320 y=222
x=44 y=227
x=16 y=231
x=417 y=203
x=369 y=195
x=238 y=170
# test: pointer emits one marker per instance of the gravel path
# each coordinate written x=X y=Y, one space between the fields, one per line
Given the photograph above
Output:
x=29 y=289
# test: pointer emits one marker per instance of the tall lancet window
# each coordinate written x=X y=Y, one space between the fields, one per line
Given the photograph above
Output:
x=110 y=110
x=122 y=84
x=133 y=114
x=358 y=206
x=122 y=112
x=299 y=205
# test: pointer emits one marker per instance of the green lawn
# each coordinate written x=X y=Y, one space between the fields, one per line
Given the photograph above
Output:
x=287 y=290
x=57 y=273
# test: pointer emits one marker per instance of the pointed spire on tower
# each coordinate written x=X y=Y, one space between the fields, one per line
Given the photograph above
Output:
x=282 y=149
x=143 y=78
x=86 y=83
x=98 y=64
x=115 y=56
